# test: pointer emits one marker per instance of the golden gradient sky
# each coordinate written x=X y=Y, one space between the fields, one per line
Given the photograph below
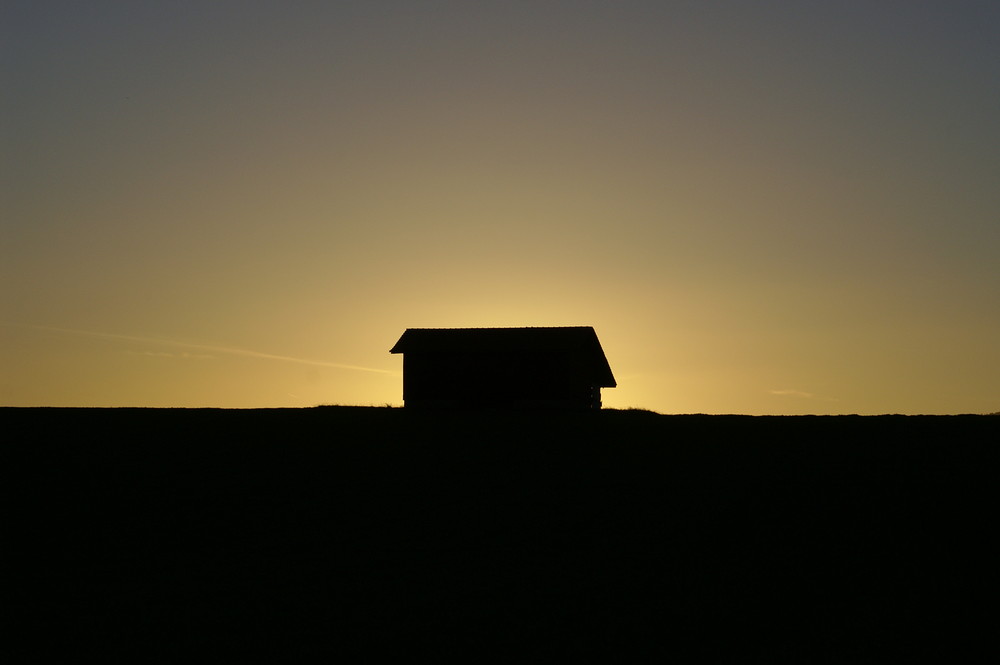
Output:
x=762 y=207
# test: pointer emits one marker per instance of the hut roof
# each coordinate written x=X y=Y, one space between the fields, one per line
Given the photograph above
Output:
x=581 y=341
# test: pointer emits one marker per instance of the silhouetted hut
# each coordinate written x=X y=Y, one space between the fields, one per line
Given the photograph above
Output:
x=503 y=367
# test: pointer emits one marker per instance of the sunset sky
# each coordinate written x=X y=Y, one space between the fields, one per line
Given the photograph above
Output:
x=773 y=207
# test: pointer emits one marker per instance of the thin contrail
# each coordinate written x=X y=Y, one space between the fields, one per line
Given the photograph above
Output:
x=217 y=349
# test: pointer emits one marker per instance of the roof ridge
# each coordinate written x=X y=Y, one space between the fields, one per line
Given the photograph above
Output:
x=507 y=328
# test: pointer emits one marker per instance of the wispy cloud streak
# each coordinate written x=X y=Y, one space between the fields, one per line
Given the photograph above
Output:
x=184 y=355
x=791 y=393
x=233 y=351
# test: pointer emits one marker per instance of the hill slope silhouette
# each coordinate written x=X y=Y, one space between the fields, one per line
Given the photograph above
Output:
x=367 y=532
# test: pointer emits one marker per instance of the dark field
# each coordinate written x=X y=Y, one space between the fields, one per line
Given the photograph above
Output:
x=363 y=532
